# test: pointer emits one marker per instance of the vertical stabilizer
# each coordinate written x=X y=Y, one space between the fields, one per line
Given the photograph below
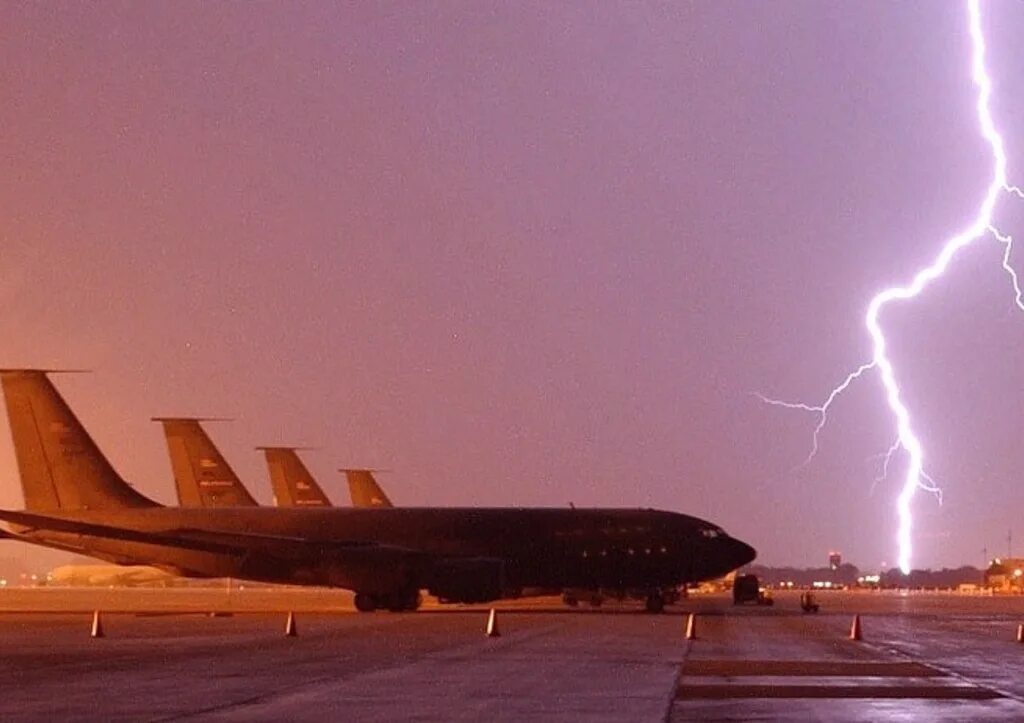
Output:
x=293 y=485
x=364 y=489
x=202 y=476
x=61 y=467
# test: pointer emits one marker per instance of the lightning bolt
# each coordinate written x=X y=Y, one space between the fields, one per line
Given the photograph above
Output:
x=916 y=478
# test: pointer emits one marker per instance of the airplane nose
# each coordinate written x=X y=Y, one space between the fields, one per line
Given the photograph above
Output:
x=739 y=553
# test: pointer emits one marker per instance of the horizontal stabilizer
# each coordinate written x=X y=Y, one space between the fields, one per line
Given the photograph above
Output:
x=59 y=524
x=45 y=371
x=236 y=544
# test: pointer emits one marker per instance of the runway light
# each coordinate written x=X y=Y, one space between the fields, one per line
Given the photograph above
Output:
x=1018 y=572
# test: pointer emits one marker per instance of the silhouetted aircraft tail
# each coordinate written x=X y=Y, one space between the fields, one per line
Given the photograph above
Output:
x=60 y=465
x=202 y=476
x=293 y=485
x=364 y=489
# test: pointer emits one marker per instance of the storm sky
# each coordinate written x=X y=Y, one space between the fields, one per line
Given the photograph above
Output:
x=525 y=253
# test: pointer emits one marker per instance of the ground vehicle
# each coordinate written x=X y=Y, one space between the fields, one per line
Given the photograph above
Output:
x=747 y=588
x=808 y=603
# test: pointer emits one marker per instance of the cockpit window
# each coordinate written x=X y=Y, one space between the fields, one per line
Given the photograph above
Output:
x=712 y=532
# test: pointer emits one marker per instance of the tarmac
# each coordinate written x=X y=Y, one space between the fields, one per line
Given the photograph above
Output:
x=165 y=656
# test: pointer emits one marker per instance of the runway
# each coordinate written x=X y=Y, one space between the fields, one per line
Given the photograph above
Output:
x=939 y=657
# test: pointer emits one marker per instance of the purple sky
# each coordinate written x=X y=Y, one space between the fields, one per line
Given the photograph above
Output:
x=524 y=253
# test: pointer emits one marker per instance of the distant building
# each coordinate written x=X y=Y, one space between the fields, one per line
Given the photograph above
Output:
x=1006 y=574
x=835 y=559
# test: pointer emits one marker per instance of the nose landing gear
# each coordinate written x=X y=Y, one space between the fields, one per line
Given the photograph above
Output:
x=398 y=601
x=655 y=602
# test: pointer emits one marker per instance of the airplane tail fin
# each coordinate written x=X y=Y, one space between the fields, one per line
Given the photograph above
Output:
x=61 y=467
x=293 y=485
x=364 y=489
x=202 y=476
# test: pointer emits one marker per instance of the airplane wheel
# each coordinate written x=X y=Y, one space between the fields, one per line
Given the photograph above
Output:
x=570 y=600
x=404 y=600
x=655 y=603
x=365 y=603
x=595 y=602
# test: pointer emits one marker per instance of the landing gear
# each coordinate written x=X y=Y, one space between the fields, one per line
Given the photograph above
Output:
x=365 y=603
x=406 y=600
x=570 y=600
x=401 y=601
x=655 y=602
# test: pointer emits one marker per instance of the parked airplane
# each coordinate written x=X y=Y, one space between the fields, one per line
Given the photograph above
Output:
x=109 y=576
x=202 y=477
x=74 y=498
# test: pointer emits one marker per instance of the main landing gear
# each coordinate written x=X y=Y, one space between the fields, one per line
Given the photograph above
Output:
x=396 y=602
x=655 y=602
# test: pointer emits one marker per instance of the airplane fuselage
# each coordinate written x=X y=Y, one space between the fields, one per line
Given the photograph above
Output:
x=610 y=548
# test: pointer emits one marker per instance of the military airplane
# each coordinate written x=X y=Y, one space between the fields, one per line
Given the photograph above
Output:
x=74 y=499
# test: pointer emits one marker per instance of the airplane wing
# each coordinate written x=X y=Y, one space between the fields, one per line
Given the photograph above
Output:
x=58 y=524
x=235 y=544
x=366 y=566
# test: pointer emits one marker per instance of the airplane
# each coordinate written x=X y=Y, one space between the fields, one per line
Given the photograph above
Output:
x=75 y=499
x=109 y=576
x=202 y=477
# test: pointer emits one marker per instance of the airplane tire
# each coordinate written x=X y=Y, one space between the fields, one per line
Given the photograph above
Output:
x=403 y=601
x=655 y=603
x=570 y=600
x=365 y=603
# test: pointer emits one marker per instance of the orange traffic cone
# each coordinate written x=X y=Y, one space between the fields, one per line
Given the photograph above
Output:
x=492 y=624
x=691 y=627
x=289 y=627
x=97 y=625
x=1020 y=633
x=855 y=628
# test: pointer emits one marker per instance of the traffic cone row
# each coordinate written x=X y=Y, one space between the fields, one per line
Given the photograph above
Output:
x=492 y=630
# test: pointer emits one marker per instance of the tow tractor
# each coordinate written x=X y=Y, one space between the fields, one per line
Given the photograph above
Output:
x=747 y=588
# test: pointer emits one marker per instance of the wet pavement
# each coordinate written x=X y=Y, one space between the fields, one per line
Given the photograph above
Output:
x=164 y=657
